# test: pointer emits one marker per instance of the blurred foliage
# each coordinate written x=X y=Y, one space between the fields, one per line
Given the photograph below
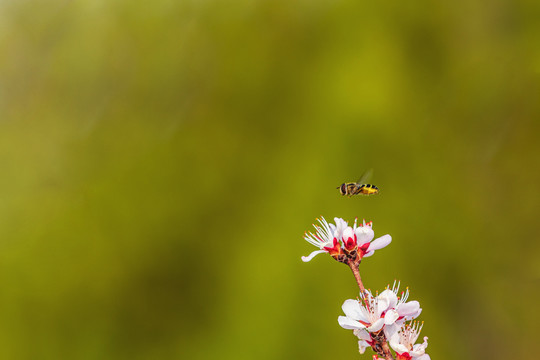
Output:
x=161 y=161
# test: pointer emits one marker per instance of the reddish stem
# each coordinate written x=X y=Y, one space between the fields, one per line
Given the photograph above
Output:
x=386 y=349
x=356 y=273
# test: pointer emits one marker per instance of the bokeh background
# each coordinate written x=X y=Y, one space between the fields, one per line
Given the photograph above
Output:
x=160 y=162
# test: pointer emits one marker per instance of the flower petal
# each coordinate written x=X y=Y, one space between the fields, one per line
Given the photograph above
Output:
x=390 y=299
x=376 y=326
x=409 y=310
x=341 y=225
x=413 y=316
x=362 y=334
x=379 y=243
x=364 y=234
x=390 y=330
x=398 y=347
x=312 y=255
x=352 y=309
x=362 y=345
x=419 y=349
x=349 y=324
x=390 y=317
x=396 y=344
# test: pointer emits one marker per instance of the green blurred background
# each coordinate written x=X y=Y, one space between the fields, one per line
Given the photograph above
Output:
x=161 y=161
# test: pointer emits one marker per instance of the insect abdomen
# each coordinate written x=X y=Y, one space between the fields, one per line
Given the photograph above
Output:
x=368 y=189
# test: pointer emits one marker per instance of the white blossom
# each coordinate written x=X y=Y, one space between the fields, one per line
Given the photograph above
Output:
x=403 y=338
x=360 y=316
x=400 y=310
x=341 y=239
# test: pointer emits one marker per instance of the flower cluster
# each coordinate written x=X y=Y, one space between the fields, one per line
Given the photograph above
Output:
x=345 y=243
x=389 y=313
x=385 y=320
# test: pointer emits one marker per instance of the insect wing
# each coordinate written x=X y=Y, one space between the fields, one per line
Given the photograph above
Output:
x=365 y=177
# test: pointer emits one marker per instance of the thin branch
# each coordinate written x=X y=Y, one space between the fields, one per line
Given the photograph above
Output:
x=356 y=272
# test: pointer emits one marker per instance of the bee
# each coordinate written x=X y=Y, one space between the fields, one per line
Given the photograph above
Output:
x=359 y=187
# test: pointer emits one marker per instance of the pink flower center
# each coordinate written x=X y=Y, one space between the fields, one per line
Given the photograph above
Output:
x=350 y=243
x=404 y=356
x=335 y=249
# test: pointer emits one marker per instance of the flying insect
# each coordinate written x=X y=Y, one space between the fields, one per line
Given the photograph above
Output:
x=359 y=187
